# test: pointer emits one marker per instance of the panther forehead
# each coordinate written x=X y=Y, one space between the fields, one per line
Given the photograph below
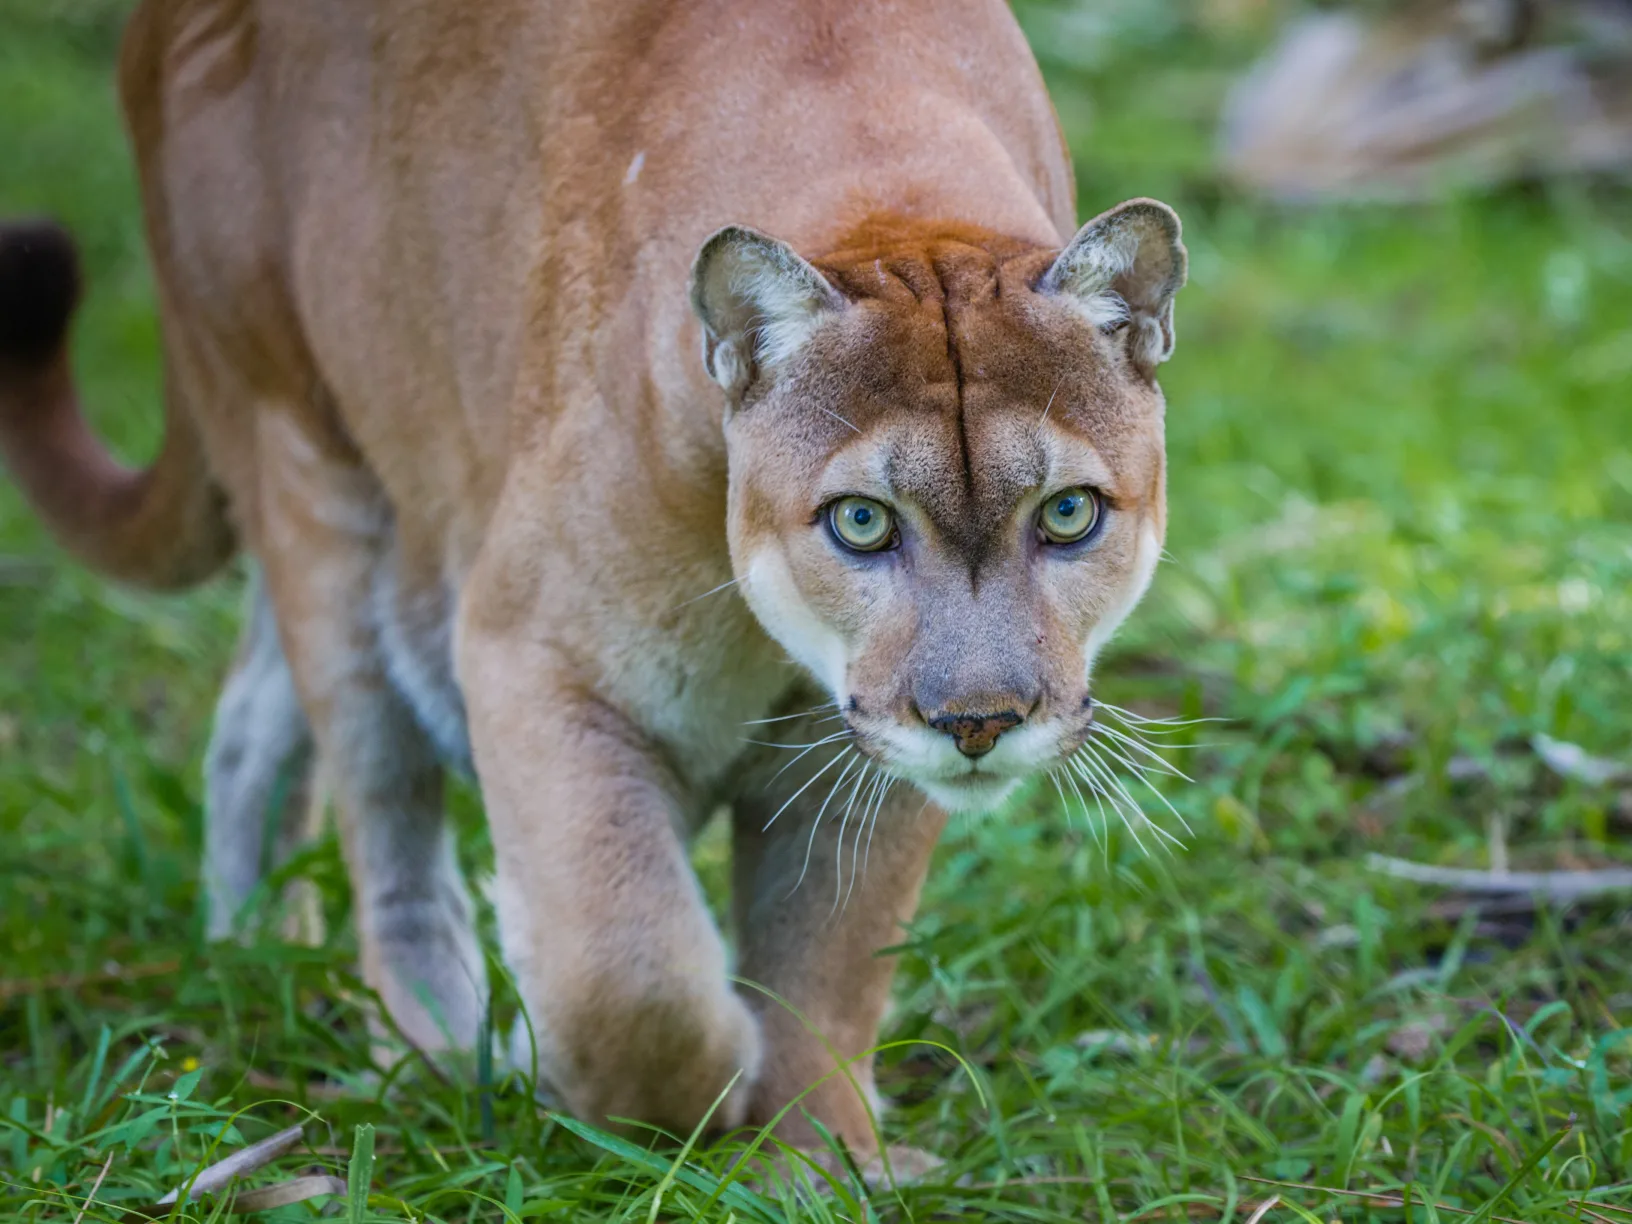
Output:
x=967 y=476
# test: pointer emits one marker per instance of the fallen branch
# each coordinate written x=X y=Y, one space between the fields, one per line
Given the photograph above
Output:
x=1550 y=885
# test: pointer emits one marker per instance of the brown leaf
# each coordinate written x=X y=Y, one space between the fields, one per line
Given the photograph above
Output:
x=296 y=1190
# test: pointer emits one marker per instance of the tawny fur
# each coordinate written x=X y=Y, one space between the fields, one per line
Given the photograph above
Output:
x=426 y=275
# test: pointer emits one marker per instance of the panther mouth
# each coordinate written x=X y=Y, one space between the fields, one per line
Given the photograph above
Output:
x=974 y=780
x=973 y=791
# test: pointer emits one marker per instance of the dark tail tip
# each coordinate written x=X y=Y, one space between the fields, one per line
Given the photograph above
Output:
x=39 y=288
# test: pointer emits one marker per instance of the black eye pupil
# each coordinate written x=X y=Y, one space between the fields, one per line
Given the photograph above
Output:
x=1067 y=507
x=862 y=516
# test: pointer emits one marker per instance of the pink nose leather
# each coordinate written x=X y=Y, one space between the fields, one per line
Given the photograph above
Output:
x=976 y=734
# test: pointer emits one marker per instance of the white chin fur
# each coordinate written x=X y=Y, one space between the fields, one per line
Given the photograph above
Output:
x=1147 y=553
x=771 y=592
x=964 y=800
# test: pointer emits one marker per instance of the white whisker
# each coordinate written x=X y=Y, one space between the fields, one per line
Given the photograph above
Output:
x=872 y=825
x=760 y=722
x=1101 y=831
x=1157 y=734
x=1120 y=788
x=839 y=418
x=815 y=824
x=1054 y=777
x=1065 y=804
x=1044 y=418
x=1154 y=725
x=844 y=823
x=879 y=781
x=1144 y=749
x=1139 y=771
x=1103 y=828
x=808 y=750
x=837 y=735
x=704 y=595
x=867 y=855
x=1093 y=771
x=805 y=787
x=1152 y=732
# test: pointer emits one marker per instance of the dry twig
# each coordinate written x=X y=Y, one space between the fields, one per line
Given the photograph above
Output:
x=1558 y=886
x=1373 y=1198
x=1584 y=1204
x=95 y=1186
x=240 y=1164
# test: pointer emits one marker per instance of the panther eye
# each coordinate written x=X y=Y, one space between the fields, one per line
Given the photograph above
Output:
x=1069 y=515
x=862 y=524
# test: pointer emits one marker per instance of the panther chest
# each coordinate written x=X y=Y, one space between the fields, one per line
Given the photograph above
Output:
x=696 y=681
x=692 y=680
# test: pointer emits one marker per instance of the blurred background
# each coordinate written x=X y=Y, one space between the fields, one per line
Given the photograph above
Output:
x=1399 y=573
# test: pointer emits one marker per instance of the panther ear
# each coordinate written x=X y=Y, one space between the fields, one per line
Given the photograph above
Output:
x=759 y=303
x=1121 y=271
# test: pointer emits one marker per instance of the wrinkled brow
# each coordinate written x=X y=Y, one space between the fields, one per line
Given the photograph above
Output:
x=970 y=500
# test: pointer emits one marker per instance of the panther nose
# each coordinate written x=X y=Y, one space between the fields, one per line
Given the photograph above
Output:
x=976 y=734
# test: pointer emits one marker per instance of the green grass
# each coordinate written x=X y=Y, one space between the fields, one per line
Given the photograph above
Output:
x=1401 y=547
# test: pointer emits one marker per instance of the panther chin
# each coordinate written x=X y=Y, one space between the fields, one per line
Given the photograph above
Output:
x=973 y=792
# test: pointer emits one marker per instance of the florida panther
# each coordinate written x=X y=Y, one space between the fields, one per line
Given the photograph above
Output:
x=594 y=384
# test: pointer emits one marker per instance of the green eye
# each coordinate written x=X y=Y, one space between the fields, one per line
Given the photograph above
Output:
x=1069 y=515
x=862 y=524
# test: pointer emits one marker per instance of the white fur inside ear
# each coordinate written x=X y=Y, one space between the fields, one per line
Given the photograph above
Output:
x=759 y=303
x=1106 y=309
x=1124 y=268
x=1089 y=282
x=787 y=314
x=1154 y=342
x=1089 y=269
x=726 y=364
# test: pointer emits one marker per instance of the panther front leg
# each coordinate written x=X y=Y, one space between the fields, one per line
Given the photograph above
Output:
x=618 y=962
x=830 y=855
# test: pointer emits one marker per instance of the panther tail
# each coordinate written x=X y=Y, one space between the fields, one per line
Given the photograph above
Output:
x=164 y=526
